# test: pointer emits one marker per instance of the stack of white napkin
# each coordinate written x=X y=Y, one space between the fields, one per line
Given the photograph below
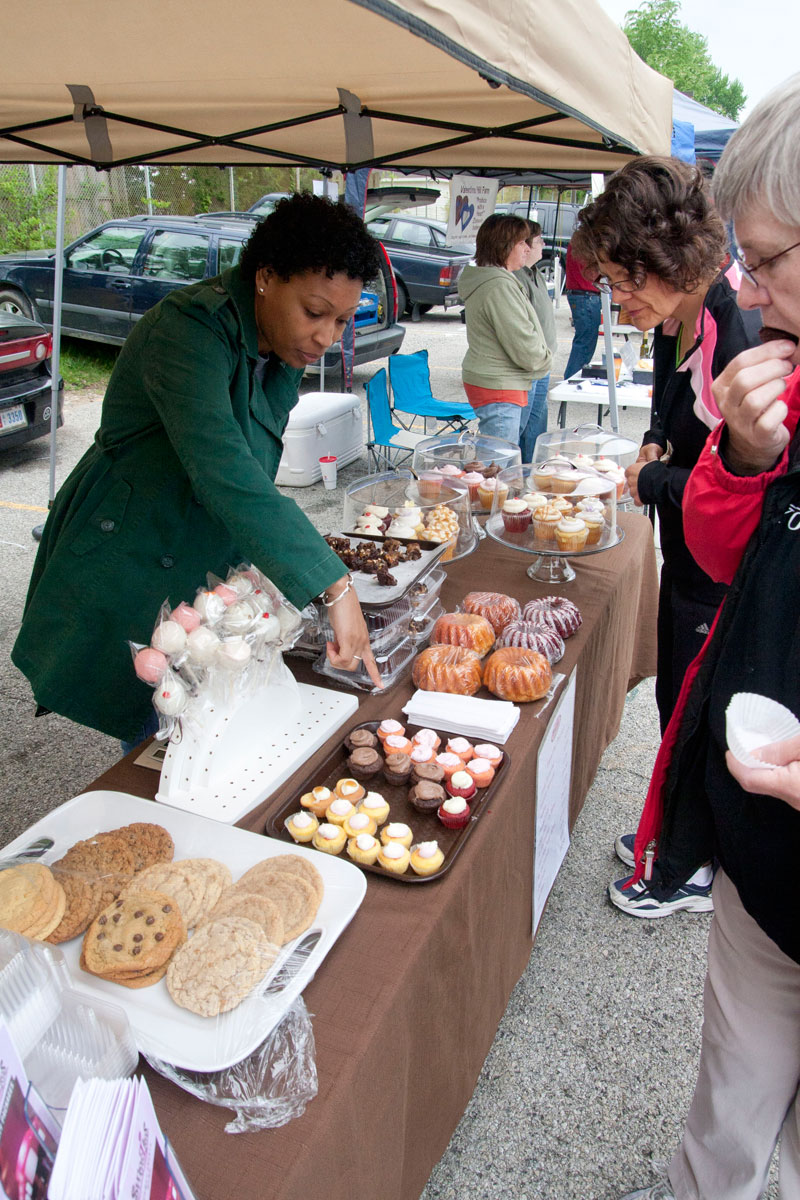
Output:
x=481 y=720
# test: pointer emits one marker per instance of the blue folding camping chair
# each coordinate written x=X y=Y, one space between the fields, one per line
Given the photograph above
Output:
x=383 y=436
x=410 y=379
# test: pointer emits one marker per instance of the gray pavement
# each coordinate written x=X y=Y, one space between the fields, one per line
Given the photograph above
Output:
x=592 y=1068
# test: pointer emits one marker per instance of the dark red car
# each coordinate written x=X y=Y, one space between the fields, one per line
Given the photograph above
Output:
x=25 y=380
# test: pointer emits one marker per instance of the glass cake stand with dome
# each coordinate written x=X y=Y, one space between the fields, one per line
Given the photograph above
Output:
x=434 y=502
x=590 y=447
x=554 y=491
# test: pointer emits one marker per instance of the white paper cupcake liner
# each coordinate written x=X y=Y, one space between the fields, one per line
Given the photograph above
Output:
x=752 y=721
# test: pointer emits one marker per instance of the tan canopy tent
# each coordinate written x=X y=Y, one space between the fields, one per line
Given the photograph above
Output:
x=345 y=83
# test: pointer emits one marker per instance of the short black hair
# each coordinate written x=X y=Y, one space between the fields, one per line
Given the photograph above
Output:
x=310 y=233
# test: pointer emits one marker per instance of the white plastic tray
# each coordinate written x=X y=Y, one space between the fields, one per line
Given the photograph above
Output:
x=161 y=1028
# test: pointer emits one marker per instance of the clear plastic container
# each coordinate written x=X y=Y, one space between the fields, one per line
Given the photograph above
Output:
x=462 y=449
x=421 y=627
x=587 y=441
x=392 y=663
x=523 y=493
x=61 y=1034
x=429 y=510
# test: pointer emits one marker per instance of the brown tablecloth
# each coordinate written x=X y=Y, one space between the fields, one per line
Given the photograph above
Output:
x=407 y=1002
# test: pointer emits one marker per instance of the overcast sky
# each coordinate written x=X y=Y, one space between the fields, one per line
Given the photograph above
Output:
x=755 y=41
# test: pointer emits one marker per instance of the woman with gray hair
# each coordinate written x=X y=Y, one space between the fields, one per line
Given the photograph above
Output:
x=742 y=523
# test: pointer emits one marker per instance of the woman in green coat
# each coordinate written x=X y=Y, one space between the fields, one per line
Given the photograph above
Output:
x=179 y=479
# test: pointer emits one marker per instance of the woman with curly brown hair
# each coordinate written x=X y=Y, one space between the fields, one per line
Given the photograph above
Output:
x=654 y=241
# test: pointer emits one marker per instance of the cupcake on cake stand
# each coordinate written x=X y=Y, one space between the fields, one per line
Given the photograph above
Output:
x=554 y=511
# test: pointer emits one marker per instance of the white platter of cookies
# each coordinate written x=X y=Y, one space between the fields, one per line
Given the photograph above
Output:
x=203 y=933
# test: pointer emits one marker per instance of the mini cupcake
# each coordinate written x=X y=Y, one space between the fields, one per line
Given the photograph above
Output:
x=472 y=479
x=397 y=831
x=474 y=464
x=426 y=797
x=364 y=762
x=430 y=772
x=330 y=839
x=397 y=743
x=534 y=500
x=397 y=769
x=544 y=523
x=451 y=471
x=454 y=813
x=461 y=747
x=394 y=857
x=461 y=784
x=358 y=823
x=427 y=736
x=317 y=800
x=423 y=753
x=594 y=523
x=350 y=789
x=481 y=771
x=426 y=858
x=487 y=491
x=363 y=849
x=390 y=727
x=563 y=505
x=339 y=810
x=375 y=806
x=493 y=753
x=571 y=533
x=516 y=516
x=449 y=763
x=358 y=739
x=301 y=826
x=542 y=477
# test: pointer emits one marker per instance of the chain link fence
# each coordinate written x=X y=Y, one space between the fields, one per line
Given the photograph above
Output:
x=28 y=196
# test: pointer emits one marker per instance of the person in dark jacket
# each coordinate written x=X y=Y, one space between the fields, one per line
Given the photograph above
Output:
x=656 y=241
x=179 y=479
x=742 y=523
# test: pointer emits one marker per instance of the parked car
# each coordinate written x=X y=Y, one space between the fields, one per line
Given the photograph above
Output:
x=118 y=271
x=25 y=379
x=425 y=267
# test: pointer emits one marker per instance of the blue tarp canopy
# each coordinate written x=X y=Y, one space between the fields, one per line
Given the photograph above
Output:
x=711 y=129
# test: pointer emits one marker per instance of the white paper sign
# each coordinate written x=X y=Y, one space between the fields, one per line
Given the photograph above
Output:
x=471 y=201
x=553 y=778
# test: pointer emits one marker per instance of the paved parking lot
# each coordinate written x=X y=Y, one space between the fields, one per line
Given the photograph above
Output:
x=593 y=1065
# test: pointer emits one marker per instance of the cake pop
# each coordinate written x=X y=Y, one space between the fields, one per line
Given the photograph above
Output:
x=227 y=595
x=210 y=606
x=233 y=655
x=150 y=664
x=187 y=617
x=202 y=646
x=169 y=637
x=170 y=697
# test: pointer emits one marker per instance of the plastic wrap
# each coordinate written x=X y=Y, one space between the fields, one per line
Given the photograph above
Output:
x=448 y=669
x=268 y=1088
x=518 y=675
x=463 y=629
x=557 y=612
x=496 y=607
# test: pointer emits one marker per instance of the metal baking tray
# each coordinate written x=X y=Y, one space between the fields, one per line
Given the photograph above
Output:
x=426 y=827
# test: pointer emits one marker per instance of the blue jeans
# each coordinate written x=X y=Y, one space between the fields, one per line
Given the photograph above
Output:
x=586 y=315
x=500 y=421
x=534 y=417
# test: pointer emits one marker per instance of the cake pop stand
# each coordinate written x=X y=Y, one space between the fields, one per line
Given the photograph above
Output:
x=548 y=566
x=232 y=755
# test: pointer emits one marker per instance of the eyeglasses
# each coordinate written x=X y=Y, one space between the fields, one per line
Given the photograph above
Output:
x=626 y=286
x=750 y=272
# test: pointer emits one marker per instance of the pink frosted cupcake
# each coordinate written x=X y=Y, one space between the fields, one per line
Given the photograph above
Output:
x=487 y=491
x=449 y=763
x=427 y=736
x=423 y=752
x=491 y=753
x=461 y=747
x=472 y=479
x=429 y=484
x=451 y=471
x=516 y=516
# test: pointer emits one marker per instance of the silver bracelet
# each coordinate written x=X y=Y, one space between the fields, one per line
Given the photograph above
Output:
x=347 y=587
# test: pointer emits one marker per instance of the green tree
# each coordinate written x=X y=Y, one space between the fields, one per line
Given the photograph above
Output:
x=657 y=35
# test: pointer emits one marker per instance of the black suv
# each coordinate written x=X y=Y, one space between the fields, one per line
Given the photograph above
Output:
x=118 y=271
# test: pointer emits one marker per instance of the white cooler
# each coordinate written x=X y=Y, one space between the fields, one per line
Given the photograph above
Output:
x=321 y=423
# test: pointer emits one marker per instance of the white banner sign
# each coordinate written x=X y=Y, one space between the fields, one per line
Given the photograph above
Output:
x=471 y=202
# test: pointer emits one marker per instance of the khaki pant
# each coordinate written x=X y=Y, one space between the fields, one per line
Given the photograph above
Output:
x=747 y=1088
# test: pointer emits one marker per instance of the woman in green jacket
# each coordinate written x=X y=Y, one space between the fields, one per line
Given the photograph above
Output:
x=179 y=479
x=506 y=346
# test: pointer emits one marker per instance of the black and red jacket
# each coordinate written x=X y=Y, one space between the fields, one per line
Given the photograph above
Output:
x=744 y=531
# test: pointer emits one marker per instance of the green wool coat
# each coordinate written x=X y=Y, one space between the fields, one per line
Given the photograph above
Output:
x=179 y=482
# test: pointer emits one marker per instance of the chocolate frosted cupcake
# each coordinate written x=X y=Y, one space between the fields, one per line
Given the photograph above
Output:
x=474 y=464
x=357 y=738
x=429 y=772
x=426 y=797
x=364 y=762
x=397 y=768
